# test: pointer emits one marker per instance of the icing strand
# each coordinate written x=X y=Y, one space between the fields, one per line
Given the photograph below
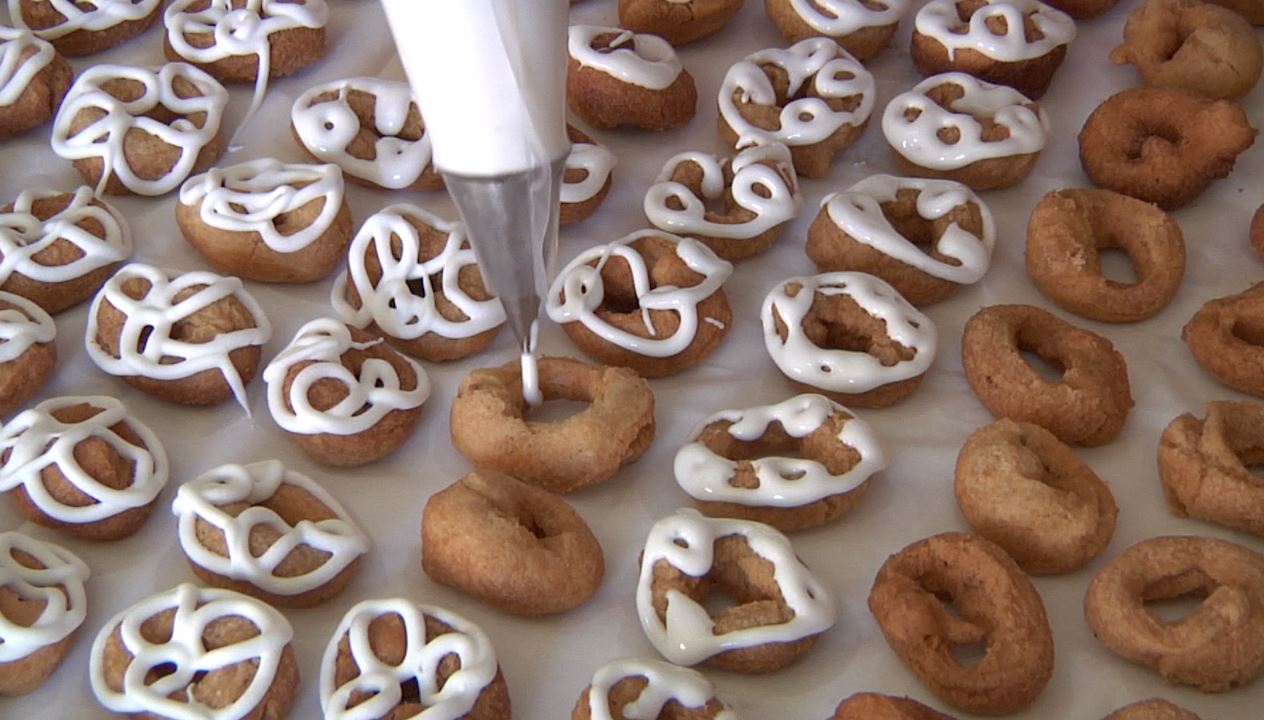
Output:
x=664 y=682
x=58 y=586
x=22 y=324
x=23 y=235
x=640 y=59
x=596 y=161
x=837 y=18
x=18 y=65
x=941 y=21
x=86 y=15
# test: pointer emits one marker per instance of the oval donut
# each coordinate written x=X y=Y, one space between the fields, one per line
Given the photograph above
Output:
x=872 y=706
x=1153 y=709
x=1226 y=337
x=1203 y=465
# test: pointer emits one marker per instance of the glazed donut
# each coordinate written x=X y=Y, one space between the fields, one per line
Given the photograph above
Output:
x=1162 y=145
x=758 y=189
x=778 y=617
x=586 y=177
x=1191 y=45
x=82 y=465
x=215 y=653
x=42 y=604
x=649 y=301
x=1020 y=487
x=813 y=97
x=515 y=547
x=1257 y=231
x=872 y=706
x=414 y=278
x=1204 y=465
x=371 y=128
x=1154 y=709
x=1087 y=406
x=191 y=338
x=798 y=464
x=1249 y=9
x=1224 y=337
x=1080 y=9
x=1217 y=647
x=848 y=335
x=27 y=353
x=33 y=80
x=639 y=687
x=382 y=646
x=488 y=424
x=267 y=220
x=677 y=21
x=1067 y=230
x=995 y=604
x=133 y=130
x=619 y=77
x=861 y=27
x=956 y=127
x=84 y=27
x=926 y=238
x=1018 y=43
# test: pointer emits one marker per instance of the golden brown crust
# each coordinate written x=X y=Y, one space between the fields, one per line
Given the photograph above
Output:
x=1204 y=465
x=1257 y=231
x=39 y=15
x=873 y=706
x=863 y=43
x=289 y=50
x=1082 y=8
x=678 y=23
x=1226 y=337
x=604 y=101
x=1252 y=10
x=1154 y=709
x=28 y=673
x=39 y=101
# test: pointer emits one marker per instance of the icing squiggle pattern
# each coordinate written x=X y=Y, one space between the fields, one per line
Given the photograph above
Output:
x=58 y=586
x=18 y=64
x=664 y=682
x=22 y=324
x=596 y=161
x=941 y=21
x=23 y=235
x=837 y=18
x=640 y=59
x=87 y=15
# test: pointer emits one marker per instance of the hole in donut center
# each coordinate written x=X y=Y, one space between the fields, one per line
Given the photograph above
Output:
x=1174 y=598
x=410 y=691
x=1117 y=266
x=1249 y=330
x=718 y=600
x=1172 y=610
x=555 y=410
x=1160 y=133
x=1046 y=368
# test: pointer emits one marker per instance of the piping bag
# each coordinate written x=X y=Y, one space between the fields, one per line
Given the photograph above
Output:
x=490 y=79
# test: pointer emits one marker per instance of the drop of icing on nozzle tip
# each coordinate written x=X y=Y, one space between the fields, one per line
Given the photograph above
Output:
x=531 y=369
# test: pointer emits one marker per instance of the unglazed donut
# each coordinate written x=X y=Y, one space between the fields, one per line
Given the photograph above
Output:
x=926 y=238
x=1226 y=339
x=33 y=80
x=872 y=706
x=956 y=127
x=82 y=465
x=758 y=188
x=586 y=177
x=649 y=301
x=1249 y=9
x=781 y=609
x=619 y=77
x=1067 y=230
x=848 y=335
x=639 y=687
x=730 y=464
x=812 y=97
x=1204 y=465
x=27 y=353
x=677 y=21
x=42 y=604
x=83 y=27
x=1154 y=709
x=861 y=27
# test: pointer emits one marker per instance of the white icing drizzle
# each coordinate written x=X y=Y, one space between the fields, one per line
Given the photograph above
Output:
x=593 y=159
x=23 y=236
x=88 y=15
x=686 y=635
x=16 y=71
x=806 y=120
x=58 y=586
x=154 y=316
x=371 y=395
x=783 y=481
x=37 y=440
x=664 y=682
x=847 y=371
x=390 y=303
x=637 y=58
x=940 y=20
x=837 y=18
x=327 y=127
x=420 y=662
x=103 y=138
x=858 y=212
x=918 y=139
x=250 y=196
x=22 y=326
x=584 y=291
x=766 y=168
x=529 y=368
x=203 y=498
x=186 y=652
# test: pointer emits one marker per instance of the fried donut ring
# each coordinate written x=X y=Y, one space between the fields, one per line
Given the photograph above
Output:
x=268 y=38
x=1162 y=145
x=1252 y=10
x=1067 y=229
x=489 y=428
x=1191 y=45
x=513 y=546
x=872 y=706
x=1226 y=338
x=1257 y=231
x=861 y=27
x=1153 y=709
x=1203 y=465
x=28 y=354
x=33 y=80
x=617 y=77
x=996 y=604
x=42 y=605
x=1217 y=647
x=586 y=177
x=1087 y=406
x=1020 y=487
x=675 y=21
x=649 y=688
x=1079 y=9
x=84 y=27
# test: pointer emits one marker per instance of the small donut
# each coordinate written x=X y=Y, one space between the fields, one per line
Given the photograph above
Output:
x=848 y=335
x=994 y=604
x=1154 y=709
x=649 y=301
x=215 y=653
x=138 y=131
x=1204 y=465
x=1216 y=647
x=488 y=424
x=926 y=238
x=383 y=647
x=42 y=604
x=586 y=177
x=1087 y=406
x=1067 y=231
x=1162 y=145
x=1257 y=231
x=1191 y=45
x=27 y=353
x=269 y=38
x=861 y=27
x=267 y=532
x=1224 y=336
x=369 y=127
x=956 y=127
x=1252 y=10
x=1080 y=9
x=1020 y=487
x=514 y=546
x=798 y=464
x=619 y=77
x=82 y=465
x=205 y=349
x=872 y=706
x=781 y=608
x=677 y=21
x=757 y=190
x=1018 y=43
x=414 y=278
x=813 y=97
x=84 y=27
x=639 y=687
x=33 y=80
